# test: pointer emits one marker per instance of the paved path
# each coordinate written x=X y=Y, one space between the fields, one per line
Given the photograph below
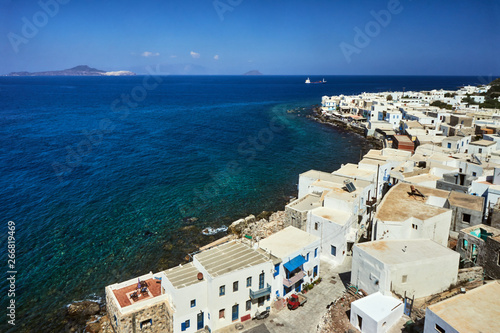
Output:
x=307 y=317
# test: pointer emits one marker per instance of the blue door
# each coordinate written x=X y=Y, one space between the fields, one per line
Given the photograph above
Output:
x=200 y=320
x=235 y=312
x=315 y=271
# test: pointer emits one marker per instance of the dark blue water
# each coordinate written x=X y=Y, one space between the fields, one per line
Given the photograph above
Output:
x=101 y=174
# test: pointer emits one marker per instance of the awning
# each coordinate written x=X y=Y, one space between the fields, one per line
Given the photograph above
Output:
x=295 y=263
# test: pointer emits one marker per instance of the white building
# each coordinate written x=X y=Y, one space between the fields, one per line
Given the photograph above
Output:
x=482 y=148
x=375 y=313
x=226 y=284
x=419 y=267
x=457 y=143
x=406 y=215
x=393 y=117
x=477 y=310
x=298 y=253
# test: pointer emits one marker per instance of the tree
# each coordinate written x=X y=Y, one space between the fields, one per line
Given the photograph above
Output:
x=389 y=97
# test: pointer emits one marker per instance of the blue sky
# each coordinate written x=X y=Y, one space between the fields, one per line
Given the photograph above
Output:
x=286 y=37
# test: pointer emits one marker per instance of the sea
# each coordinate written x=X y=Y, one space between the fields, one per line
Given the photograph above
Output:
x=103 y=179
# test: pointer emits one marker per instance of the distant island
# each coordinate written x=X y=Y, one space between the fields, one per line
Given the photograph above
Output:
x=81 y=70
x=253 y=72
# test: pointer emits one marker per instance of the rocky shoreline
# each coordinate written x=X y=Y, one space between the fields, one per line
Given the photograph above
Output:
x=90 y=316
x=373 y=143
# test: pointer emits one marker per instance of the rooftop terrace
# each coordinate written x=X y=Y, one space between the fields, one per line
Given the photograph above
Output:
x=125 y=295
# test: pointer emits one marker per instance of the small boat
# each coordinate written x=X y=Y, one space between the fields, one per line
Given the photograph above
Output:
x=212 y=231
x=315 y=82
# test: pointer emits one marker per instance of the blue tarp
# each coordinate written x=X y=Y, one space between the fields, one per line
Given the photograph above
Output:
x=295 y=263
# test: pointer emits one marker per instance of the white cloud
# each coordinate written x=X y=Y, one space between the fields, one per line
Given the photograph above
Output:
x=216 y=57
x=195 y=55
x=150 y=54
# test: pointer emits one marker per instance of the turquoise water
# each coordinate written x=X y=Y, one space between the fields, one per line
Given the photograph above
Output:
x=101 y=175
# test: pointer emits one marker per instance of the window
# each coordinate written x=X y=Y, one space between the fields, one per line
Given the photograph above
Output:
x=276 y=270
x=261 y=280
x=235 y=286
x=249 y=281
x=474 y=174
x=248 y=305
x=480 y=150
x=222 y=313
x=449 y=144
x=466 y=218
x=193 y=303
x=439 y=329
x=316 y=225
x=404 y=278
x=333 y=250
x=315 y=253
x=261 y=301
x=146 y=323
x=465 y=244
x=222 y=290
x=307 y=257
x=414 y=226
x=185 y=325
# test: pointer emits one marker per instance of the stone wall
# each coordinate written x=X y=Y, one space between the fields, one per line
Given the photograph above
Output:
x=457 y=223
x=471 y=274
x=295 y=218
x=492 y=258
x=469 y=256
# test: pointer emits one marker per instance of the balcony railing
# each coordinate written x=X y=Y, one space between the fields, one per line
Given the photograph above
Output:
x=294 y=279
x=261 y=292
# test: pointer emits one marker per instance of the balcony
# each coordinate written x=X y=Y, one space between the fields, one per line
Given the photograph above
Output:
x=261 y=292
x=293 y=279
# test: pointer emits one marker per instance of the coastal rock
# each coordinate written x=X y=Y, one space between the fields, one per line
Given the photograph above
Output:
x=93 y=328
x=250 y=219
x=81 y=311
x=236 y=227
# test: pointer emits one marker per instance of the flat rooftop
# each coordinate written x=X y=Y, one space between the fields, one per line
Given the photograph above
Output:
x=307 y=202
x=343 y=194
x=488 y=229
x=395 y=251
x=229 y=257
x=426 y=177
x=124 y=294
x=478 y=310
x=464 y=200
x=377 y=306
x=352 y=170
x=182 y=276
x=483 y=143
x=287 y=241
x=337 y=216
x=398 y=205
